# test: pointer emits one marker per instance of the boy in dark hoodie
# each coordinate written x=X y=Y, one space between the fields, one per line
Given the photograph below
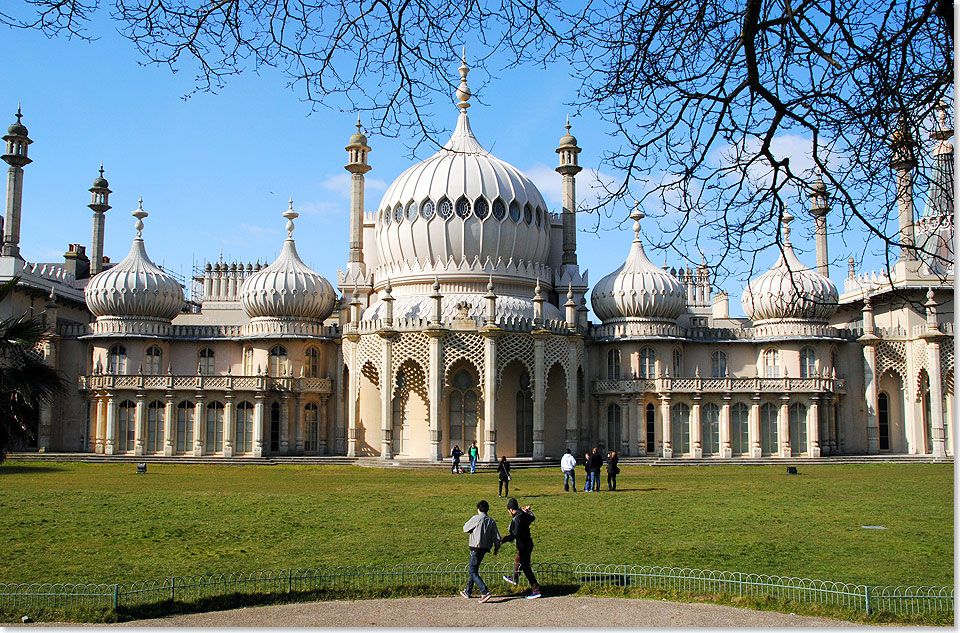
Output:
x=520 y=533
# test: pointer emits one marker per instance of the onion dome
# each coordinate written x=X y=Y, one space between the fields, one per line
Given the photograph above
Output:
x=100 y=182
x=638 y=290
x=358 y=138
x=568 y=139
x=462 y=204
x=136 y=287
x=17 y=128
x=789 y=290
x=287 y=288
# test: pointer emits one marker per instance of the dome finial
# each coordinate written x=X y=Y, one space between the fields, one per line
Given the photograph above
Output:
x=19 y=114
x=101 y=169
x=786 y=218
x=139 y=214
x=291 y=215
x=463 y=91
x=636 y=216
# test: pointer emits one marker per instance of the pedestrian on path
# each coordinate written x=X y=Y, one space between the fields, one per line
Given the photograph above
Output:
x=503 y=474
x=473 y=452
x=520 y=534
x=484 y=535
x=568 y=464
x=612 y=470
x=455 y=454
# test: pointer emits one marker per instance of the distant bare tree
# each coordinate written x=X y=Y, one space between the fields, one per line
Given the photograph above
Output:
x=724 y=109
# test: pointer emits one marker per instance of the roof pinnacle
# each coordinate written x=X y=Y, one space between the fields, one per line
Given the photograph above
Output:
x=463 y=91
x=291 y=215
x=139 y=213
x=636 y=216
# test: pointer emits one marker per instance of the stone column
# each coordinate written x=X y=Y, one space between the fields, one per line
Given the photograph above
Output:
x=539 y=390
x=11 y=227
x=353 y=395
x=285 y=423
x=169 y=425
x=870 y=392
x=571 y=432
x=756 y=450
x=96 y=424
x=324 y=427
x=625 y=422
x=110 y=444
x=199 y=428
x=258 y=425
x=229 y=423
x=489 y=453
x=299 y=424
x=813 y=427
x=696 y=436
x=435 y=386
x=667 y=438
x=386 y=396
x=937 y=432
x=640 y=427
x=783 y=426
x=726 y=449
x=140 y=427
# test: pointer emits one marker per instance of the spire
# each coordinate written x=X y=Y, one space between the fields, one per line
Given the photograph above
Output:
x=818 y=209
x=139 y=214
x=636 y=216
x=463 y=90
x=291 y=215
x=99 y=204
x=786 y=219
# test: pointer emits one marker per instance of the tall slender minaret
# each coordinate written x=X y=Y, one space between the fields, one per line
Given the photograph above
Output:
x=357 y=165
x=16 y=157
x=568 y=168
x=819 y=209
x=99 y=203
x=903 y=162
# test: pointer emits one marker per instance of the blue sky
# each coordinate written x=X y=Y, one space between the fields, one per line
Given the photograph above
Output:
x=215 y=170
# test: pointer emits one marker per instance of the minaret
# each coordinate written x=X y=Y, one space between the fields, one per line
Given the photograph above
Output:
x=357 y=165
x=568 y=168
x=16 y=157
x=99 y=203
x=818 y=209
x=903 y=162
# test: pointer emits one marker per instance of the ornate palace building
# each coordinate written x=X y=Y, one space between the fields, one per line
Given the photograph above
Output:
x=461 y=315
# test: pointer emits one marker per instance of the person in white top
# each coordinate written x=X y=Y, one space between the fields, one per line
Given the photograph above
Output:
x=568 y=464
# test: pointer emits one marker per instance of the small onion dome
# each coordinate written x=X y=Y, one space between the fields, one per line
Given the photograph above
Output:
x=17 y=128
x=135 y=287
x=287 y=288
x=568 y=139
x=100 y=182
x=358 y=138
x=789 y=290
x=638 y=290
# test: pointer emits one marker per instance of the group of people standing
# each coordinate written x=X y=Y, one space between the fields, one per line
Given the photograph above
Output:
x=485 y=536
x=473 y=453
x=592 y=465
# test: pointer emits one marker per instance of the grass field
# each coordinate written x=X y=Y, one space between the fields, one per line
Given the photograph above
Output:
x=103 y=523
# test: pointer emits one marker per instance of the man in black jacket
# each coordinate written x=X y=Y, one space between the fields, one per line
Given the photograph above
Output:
x=596 y=463
x=520 y=533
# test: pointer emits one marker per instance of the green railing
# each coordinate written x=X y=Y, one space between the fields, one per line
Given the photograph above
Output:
x=901 y=601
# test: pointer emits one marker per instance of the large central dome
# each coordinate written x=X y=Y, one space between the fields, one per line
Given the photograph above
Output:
x=462 y=206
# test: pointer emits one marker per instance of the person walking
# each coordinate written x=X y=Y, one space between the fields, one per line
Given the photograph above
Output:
x=586 y=469
x=503 y=474
x=567 y=465
x=612 y=470
x=520 y=534
x=484 y=535
x=455 y=454
x=473 y=452
x=596 y=463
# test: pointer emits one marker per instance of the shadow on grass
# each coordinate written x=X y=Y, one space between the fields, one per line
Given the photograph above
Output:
x=26 y=470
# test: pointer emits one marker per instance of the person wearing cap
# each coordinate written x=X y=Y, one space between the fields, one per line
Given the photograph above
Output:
x=520 y=534
x=568 y=464
x=483 y=536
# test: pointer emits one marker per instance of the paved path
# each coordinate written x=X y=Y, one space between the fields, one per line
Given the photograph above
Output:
x=505 y=611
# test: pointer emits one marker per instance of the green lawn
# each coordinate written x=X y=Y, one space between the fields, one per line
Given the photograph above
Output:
x=101 y=522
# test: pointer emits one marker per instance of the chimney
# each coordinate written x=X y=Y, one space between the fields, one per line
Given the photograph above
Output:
x=721 y=305
x=76 y=262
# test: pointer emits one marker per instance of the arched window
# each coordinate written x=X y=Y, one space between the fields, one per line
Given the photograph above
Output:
x=206 y=364
x=427 y=210
x=275 y=428
x=445 y=208
x=614 y=438
x=710 y=429
x=311 y=363
x=154 y=360
x=248 y=368
x=243 y=433
x=398 y=213
x=278 y=360
x=798 y=429
x=883 y=421
x=311 y=422
x=768 y=429
x=481 y=208
x=680 y=427
x=117 y=360
x=771 y=363
x=463 y=208
x=185 y=411
x=718 y=364
x=613 y=364
x=155 y=422
x=808 y=363
x=499 y=209
x=677 y=362
x=127 y=426
x=648 y=363
x=524 y=417
x=538 y=217
x=412 y=211
x=926 y=412
x=527 y=213
x=214 y=428
x=463 y=409
x=740 y=429
x=651 y=429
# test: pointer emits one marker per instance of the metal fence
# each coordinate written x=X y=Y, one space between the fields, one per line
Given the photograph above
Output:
x=900 y=600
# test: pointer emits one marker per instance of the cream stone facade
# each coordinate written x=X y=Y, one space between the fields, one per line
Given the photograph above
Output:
x=461 y=316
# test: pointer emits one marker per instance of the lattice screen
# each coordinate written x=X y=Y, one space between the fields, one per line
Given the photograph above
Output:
x=514 y=347
x=892 y=355
x=947 y=364
x=457 y=345
x=413 y=346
